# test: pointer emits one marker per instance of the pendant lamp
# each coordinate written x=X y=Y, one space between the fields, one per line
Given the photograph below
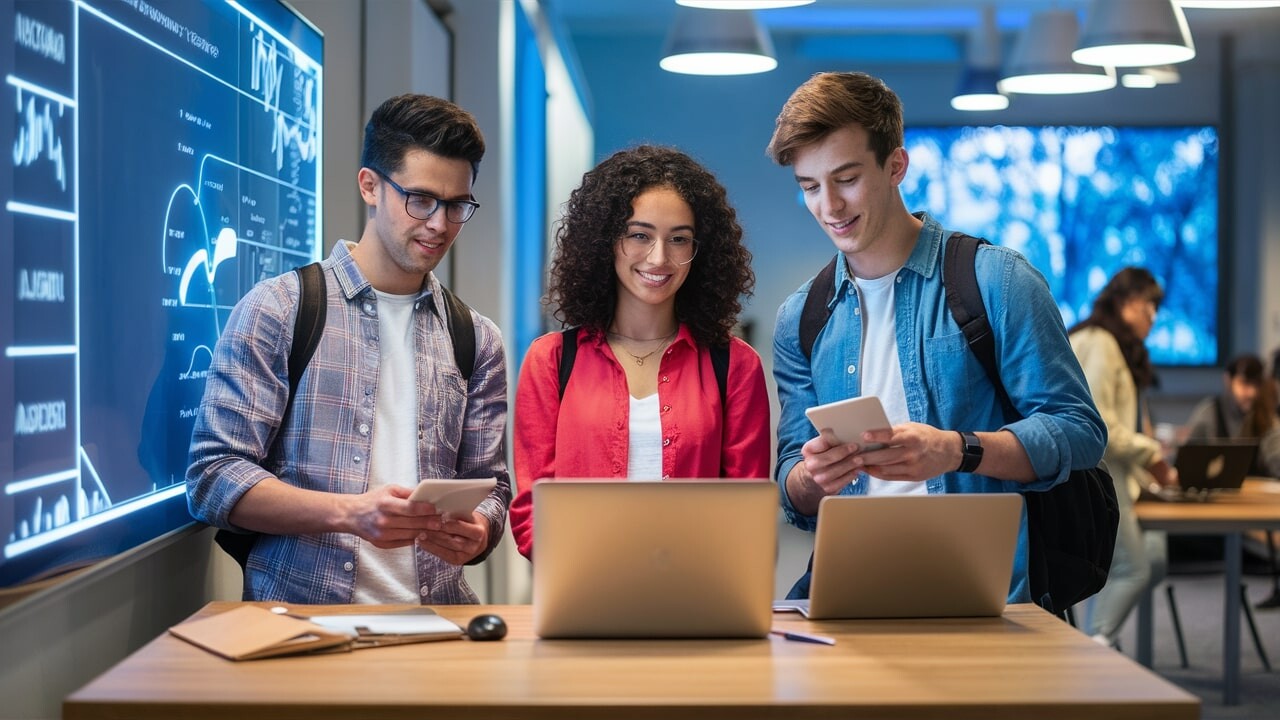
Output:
x=717 y=42
x=1134 y=33
x=1041 y=62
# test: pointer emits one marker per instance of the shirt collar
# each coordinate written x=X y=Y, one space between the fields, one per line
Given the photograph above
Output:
x=924 y=259
x=354 y=283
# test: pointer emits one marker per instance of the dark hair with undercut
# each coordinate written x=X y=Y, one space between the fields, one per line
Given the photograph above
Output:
x=583 y=286
x=420 y=122
x=829 y=101
x=1125 y=285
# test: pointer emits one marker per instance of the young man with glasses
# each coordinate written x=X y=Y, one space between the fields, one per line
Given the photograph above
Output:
x=890 y=334
x=648 y=273
x=325 y=481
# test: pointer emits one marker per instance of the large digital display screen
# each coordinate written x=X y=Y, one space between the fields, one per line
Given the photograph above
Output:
x=1083 y=202
x=162 y=157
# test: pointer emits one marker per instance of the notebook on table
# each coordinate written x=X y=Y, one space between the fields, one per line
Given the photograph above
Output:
x=913 y=556
x=673 y=559
x=1206 y=467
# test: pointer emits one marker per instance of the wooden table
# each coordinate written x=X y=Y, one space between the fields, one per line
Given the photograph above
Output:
x=1255 y=507
x=1026 y=664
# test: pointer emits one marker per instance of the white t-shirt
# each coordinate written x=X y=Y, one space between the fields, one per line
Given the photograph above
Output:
x=391 y=575
x=644 y=451
x=882 y=368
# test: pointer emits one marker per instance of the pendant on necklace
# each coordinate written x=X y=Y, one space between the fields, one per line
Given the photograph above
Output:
x=639 y=360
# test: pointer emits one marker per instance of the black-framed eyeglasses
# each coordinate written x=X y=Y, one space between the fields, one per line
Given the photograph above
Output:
x=421 y=206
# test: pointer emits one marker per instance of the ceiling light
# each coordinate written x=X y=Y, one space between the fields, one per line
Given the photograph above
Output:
x=742 y=4
x=980 y=78
x=1134 y=33
x=713 y=42
x=1229 y=4
x=1163 y=74
x=1041 y=63
x=1137 y=80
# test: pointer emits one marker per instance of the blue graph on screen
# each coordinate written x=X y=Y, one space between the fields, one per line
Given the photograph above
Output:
x=165 y=158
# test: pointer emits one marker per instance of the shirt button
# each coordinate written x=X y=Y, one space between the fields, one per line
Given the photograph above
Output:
x=424 y=591
x=899 y=279
x=666 y=442
x=665 y=379
x=853 y=369
x=364 y=429
x=355 y=458
x=666 y=408
x=348 y=566
x=857 y=311
x=368 y=391
x=368 y=307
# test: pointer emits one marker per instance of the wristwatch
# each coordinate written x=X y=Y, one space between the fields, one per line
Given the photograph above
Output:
x=972 y=452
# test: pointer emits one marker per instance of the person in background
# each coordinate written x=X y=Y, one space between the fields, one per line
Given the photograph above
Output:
x=891 y=335
x=1247 y=409
x=1110 y=344
x=648 y=271
x=381 y=405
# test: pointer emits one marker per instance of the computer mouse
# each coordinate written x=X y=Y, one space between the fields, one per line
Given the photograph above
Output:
x=487 y=627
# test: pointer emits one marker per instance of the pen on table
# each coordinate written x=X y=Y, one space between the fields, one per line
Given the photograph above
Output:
x=803 y=637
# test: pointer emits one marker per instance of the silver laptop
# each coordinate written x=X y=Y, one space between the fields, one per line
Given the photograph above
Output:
x=673 y=559
x=913 y=556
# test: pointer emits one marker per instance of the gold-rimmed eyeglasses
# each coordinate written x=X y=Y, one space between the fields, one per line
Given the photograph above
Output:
x=680 y=248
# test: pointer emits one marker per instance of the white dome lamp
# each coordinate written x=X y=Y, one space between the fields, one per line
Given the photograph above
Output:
x=1041 y=63
x=742 y=4
x=1134 y=33
x=979 y=81
x=717 y=42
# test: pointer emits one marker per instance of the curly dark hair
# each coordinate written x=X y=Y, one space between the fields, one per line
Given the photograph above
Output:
x=1128 y=283
x=583 y=287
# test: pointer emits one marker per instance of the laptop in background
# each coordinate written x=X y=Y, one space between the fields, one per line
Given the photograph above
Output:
x=673 y=559
x=913 y=556
x=1215 y=464
x=1205 y=468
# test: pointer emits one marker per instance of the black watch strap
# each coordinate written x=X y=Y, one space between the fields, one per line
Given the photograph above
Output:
x=972 y=452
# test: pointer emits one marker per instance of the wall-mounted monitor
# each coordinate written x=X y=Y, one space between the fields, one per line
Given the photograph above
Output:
x=1081 y=203
x=161 y=157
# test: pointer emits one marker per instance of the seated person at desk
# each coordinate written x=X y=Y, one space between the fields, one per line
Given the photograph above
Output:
x=1111 y=345
x=889 y=334
x=648 y=270
x=326 y=481
x=1245 y=410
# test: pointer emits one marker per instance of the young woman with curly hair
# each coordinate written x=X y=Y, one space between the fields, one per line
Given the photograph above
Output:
x=649 y=268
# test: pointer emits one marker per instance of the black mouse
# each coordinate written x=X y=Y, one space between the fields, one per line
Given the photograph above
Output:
x=487 y=627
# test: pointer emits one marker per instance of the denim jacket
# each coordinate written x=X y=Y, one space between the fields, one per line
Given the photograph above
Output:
x=945 y=384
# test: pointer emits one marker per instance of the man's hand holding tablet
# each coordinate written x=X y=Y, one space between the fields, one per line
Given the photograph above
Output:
x=848 y=419
x=453 y=498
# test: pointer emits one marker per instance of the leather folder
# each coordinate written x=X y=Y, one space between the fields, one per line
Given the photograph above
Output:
x=250 y=633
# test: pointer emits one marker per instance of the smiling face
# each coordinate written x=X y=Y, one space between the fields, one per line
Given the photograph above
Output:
x=854 y=200
x=397 y=250
x=649 y=276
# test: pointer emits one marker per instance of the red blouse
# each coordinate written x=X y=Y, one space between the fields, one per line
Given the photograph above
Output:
x=590 y=437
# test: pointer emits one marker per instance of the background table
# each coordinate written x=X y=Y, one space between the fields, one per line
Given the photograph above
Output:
x=1026 y=664
x=1255 y=507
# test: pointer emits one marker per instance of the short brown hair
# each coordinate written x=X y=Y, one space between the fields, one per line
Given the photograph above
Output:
x=829 y=101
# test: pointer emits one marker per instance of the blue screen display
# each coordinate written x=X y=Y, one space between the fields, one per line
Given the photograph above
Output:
x=165 y=156
x=1083 y=202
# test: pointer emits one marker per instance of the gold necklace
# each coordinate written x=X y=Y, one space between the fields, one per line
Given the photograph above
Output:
x=641 y=358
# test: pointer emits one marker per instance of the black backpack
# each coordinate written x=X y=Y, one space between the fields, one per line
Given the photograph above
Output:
x=308 y=326
x=1071 y=528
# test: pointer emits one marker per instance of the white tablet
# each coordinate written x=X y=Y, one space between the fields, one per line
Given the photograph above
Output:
x=455 y=498
x=848 y=419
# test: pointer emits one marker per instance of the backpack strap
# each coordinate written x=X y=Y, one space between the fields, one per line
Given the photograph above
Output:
x=568 y=351
x=817 y=306
x=964 y=299
x=720 y=364
x=308 y=326
x=462 y=331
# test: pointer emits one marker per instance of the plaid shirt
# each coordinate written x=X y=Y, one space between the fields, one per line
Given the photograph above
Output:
x=325 y=445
